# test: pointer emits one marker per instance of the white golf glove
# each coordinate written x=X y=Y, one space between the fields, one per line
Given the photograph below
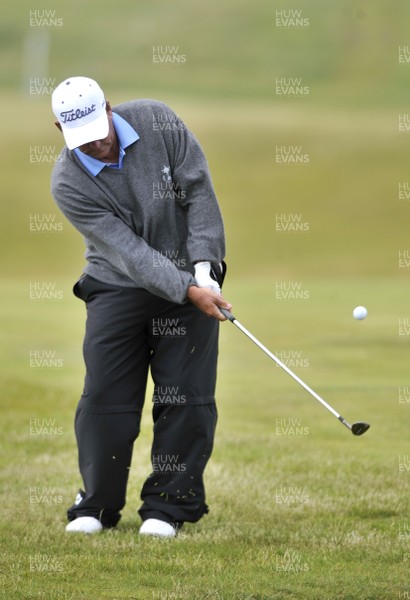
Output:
x=203 y=278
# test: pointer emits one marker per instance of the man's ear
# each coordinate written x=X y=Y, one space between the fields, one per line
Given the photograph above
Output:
x=108 y=108
x=58 y=125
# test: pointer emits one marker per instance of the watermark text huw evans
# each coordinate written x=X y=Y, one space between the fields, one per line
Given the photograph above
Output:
x=45 y=18
x=291 y=18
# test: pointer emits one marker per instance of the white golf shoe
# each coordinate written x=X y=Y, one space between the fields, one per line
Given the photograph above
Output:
x=157 y=528
x=84 y=525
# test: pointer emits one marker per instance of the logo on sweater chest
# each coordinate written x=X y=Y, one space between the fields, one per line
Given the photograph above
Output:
x=165 y=189
x=166 y=173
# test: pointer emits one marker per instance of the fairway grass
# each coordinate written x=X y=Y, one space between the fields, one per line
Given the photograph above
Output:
x=300 y=508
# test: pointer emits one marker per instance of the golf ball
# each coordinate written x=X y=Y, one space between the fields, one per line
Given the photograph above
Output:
x=360 y=313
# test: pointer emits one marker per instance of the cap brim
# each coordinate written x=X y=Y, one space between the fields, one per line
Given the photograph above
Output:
x=91 y=132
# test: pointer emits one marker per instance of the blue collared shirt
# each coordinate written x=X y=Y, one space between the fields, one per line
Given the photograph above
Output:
x=126 y=136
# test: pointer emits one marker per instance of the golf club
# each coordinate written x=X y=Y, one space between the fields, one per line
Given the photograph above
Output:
x=358 y=428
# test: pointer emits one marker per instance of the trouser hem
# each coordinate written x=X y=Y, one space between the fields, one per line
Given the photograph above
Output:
x=175 y=515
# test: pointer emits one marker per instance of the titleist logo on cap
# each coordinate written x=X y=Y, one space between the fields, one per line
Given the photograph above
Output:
x=73 y=115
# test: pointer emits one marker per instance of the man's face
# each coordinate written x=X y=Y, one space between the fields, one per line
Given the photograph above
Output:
x=102 y=149
x=105 y=149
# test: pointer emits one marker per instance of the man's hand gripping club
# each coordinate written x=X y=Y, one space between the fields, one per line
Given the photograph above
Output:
x=206 y=295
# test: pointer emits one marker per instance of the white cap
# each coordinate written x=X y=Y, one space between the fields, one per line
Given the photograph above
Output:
x=79 y=105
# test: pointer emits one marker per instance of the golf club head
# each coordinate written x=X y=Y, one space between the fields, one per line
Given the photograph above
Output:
x=360 y=428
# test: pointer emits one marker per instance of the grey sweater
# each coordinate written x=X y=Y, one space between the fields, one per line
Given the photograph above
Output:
x=145 y=225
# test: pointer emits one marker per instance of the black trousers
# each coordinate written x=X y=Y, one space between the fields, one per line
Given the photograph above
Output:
x=128 y=332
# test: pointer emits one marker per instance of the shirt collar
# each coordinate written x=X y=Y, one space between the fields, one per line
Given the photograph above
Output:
x=126 y=136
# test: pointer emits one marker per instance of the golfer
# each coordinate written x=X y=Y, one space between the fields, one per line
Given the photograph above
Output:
x=134 y=182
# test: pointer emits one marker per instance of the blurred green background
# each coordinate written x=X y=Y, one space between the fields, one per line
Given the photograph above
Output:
x=225 y=90
x=229 y=56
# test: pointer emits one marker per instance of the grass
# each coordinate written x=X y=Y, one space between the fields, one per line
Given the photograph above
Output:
x=349 y=189
x=348 y=52
x=299 y=507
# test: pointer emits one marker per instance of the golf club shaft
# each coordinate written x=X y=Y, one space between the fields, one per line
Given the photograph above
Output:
x=235 y=321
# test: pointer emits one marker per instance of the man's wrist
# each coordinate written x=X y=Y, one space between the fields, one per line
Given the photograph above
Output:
x=190 y=291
